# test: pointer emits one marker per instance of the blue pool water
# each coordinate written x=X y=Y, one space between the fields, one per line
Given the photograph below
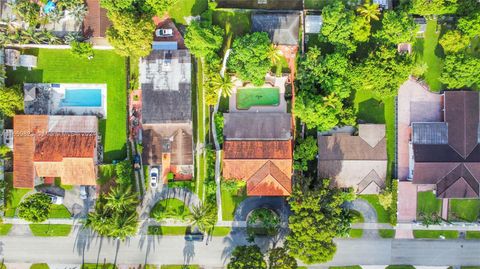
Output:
x=82 y=97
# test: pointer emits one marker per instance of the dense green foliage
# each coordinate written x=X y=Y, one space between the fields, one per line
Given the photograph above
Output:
x=247 y=257
x=305 y=151
x=433 y=7
x=279 y=258
x=317 y=218
x=203 y=38
x=35 y=208
x=250 y=57
x=82 y=49
x=12 y=101
x=124 y=173
x=461 y=70
x=203 y=217
x=397 y=27
x=339 y=27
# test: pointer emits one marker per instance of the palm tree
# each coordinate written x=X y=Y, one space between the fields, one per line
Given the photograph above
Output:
x=78 y=12
x=274 y=54
x=224 y=85
x=330 y=100
x=369 y=11
x=99 y=221
x=120 y=199
x=124 y=225
x=203 y=217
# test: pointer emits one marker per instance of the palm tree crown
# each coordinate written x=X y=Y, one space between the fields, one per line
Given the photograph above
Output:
x=369 y=11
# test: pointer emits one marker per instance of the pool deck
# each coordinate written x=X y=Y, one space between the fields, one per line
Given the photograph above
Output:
x=277 y=82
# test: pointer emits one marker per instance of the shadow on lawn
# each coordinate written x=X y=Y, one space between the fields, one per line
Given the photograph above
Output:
x=371 y=111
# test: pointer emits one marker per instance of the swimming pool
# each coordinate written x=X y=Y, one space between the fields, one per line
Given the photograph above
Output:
x=248 y=97
x=82 y=98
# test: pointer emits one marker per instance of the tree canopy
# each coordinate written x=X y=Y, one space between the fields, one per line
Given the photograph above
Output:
x=397 y=27
x=203 y=38
x=433 y=7
x=453 y=41
x=35 y=208
x=12 y=101
x=461 y=70
x=305 y=151
x=247 y=257
x=318 y=217
x=470 y=25
x=250 y=57
x=279 y=258
x=339 y=26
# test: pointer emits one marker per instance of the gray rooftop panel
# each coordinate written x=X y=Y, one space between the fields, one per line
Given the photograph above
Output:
x=258 y=126
x=430 y=133
x=281 y=27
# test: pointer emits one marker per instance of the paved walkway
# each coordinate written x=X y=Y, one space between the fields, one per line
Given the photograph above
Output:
x=277 y=204
x=369 y=215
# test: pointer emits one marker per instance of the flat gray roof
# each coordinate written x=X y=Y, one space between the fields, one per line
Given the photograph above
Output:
x=257 y=126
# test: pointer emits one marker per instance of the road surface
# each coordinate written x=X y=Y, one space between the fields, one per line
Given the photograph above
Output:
x=82 y=247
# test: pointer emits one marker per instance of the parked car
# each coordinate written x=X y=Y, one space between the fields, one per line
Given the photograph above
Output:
x=136 y=162
x=83 y=192
x=55 y=199
x=166 y=32
x=194 y=237
x=154 y=177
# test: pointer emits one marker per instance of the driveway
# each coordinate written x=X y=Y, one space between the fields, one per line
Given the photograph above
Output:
x=277 y=204
x=369 y=215
x=71 y=199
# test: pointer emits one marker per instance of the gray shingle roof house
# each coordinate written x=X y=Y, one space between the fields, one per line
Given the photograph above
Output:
x=262 y=4
x=165 y=78
x=447 y=154
x=258 y=126
x=167 y=131
x=282 y=28
x=355 y=161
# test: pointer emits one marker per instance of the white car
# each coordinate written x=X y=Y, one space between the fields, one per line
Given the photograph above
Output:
x=83 y=192
x=55 y=199
x=154 y=178
x=164 y=32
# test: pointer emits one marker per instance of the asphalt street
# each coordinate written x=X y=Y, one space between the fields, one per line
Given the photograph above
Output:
x=83 y=247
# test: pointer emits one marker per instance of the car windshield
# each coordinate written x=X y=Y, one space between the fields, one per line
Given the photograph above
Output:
x=154 y=174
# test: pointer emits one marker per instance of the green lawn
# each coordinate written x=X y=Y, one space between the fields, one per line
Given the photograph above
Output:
x=464 y=210
x=401 y=266
x=356 y=233
x=186 y=8
x=430 y=52
x=386 y=233
x=472 y=235
x=59 y=212
x=60 y=66
x=39 y=266
x=50 y=229
x=167 y=230
x=221 y=231
x=201 y=124
x=248 y=97
x=5 y=229
x=170 y=209
x=357 y=217
x=433 y=234
x=428 y=203
x=229 y=203
x=382 y=214
x=345 y=267
x=315 y=4
x=12 y=196
x=173 y=266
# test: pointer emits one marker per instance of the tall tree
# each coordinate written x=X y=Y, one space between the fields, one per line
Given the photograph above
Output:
x=397 y=27
x=279 y=258
x=470 y=25
x=203 y=38
x=159 y=7
x=120 y=199
x=317 y=218
x=369 y=11
x=453 y=41
x=249 y=57
x=223 y=85
x=274 y=54
x=461 y=70
x=247 y=257
x=338 y=26
x=432 y=8
x=305 y=151
x=12 y=101
x=130 y=34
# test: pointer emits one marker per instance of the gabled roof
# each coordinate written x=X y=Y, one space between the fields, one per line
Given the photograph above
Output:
x=448 y=154
x=354 y=161
x=257 y=126
x=282 y=28
x=269 y=181
x=54 y=146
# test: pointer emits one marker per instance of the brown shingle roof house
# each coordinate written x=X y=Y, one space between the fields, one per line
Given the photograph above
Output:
x=96 y=22
x=54 y=146
x=359 y=161
x=447 y=154
x=263 y=156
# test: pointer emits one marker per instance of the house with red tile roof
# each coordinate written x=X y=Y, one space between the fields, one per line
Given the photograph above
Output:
x=258 y=149
x=46 y=147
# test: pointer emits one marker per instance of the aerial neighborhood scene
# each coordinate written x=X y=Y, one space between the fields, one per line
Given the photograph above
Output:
x=239 y=134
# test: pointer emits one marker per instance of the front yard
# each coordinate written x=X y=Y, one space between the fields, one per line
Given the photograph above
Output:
x=428 y=204
x=432 y=234
x=60 y=66
x=13 y=196
x=170 y=209
x=382 y=214
x=464 y=210
x=50 y=229
x=230 y=201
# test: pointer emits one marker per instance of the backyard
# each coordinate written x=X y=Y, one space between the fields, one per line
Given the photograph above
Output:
x=186 y=8
x=429 y=52
x=248 y=97
x=61 y=66
x=235 y=23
